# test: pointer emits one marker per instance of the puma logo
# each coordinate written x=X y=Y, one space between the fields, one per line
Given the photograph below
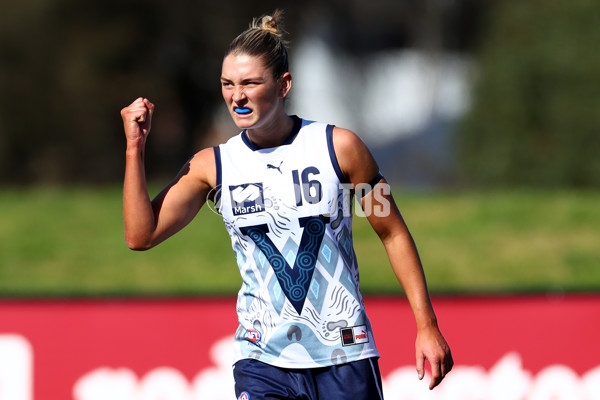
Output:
x=271 y=166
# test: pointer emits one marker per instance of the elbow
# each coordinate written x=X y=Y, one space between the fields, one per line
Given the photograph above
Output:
x=135 y=247
x=136 y=244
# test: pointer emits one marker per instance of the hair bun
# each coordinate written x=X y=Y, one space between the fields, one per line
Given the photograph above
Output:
x=264 y=39
x=270 y=23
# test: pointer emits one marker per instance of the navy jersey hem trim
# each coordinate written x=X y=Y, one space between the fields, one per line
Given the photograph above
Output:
x=376 y=180
x=370 y=186
x=332 y=156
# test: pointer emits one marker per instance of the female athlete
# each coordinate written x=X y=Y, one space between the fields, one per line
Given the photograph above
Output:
x=284 y=186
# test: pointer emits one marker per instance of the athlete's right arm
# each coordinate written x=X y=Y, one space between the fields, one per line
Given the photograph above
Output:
x=147 y=223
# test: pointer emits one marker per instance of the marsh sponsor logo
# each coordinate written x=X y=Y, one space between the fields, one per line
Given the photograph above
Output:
x=247 y=198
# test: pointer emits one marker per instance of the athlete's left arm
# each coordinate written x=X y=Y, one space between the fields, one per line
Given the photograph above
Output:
x=359 y=166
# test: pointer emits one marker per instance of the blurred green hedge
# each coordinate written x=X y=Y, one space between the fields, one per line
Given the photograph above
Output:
x=535 y=119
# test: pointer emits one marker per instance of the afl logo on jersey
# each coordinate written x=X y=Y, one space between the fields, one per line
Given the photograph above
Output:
x=252 y=335
x=247 y=198
x=244 y=396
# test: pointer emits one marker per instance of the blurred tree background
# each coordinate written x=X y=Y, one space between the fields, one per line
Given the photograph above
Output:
x=68 y=66
x=535 y=120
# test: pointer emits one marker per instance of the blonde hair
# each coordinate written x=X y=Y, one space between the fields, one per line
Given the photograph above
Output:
x=264 y=39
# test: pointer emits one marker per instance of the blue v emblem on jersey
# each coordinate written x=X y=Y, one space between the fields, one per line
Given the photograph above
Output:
x=247 y=198
x=294 y=281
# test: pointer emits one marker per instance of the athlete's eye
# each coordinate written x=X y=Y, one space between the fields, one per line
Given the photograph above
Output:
x=251 y=84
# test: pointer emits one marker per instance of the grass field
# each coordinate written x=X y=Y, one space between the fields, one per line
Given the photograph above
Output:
x=69 y=242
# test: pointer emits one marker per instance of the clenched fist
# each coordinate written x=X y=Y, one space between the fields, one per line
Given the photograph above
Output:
x=137 y=118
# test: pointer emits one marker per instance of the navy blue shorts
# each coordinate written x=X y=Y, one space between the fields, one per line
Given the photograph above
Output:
x=358 y=380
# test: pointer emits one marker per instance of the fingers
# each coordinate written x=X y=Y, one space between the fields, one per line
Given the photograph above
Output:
x=439 y=370
x=138 y=111
x=140 y=104
x=436 y=375
x=421 y=366
x=447 y=364
x=431 y=346
x=137 y=117
x=149 y=106
x=440 y=367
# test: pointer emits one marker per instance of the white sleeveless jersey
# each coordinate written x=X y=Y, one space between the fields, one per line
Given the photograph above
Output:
x=289 y=219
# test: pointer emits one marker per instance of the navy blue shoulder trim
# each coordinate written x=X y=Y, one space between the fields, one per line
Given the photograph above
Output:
x=217 y=151
x=332 y=156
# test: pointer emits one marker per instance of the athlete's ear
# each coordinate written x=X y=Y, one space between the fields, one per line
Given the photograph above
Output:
x=285 y=84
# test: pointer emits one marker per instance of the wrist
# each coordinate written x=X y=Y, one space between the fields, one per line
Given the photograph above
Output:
x=426 y=320
x=135 y=147
x=427 y=325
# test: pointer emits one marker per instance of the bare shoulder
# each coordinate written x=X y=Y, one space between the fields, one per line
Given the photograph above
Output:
x=353 y=155
x=345 y=138
x=202 y=166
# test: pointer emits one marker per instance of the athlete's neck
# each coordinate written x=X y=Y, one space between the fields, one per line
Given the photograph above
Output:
x=273 y=134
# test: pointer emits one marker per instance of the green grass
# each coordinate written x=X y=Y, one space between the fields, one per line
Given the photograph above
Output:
x=69 y=241
x=506 y=241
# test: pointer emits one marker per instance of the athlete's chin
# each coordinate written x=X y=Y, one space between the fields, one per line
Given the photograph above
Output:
x=245 y=122
x=243 y=126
